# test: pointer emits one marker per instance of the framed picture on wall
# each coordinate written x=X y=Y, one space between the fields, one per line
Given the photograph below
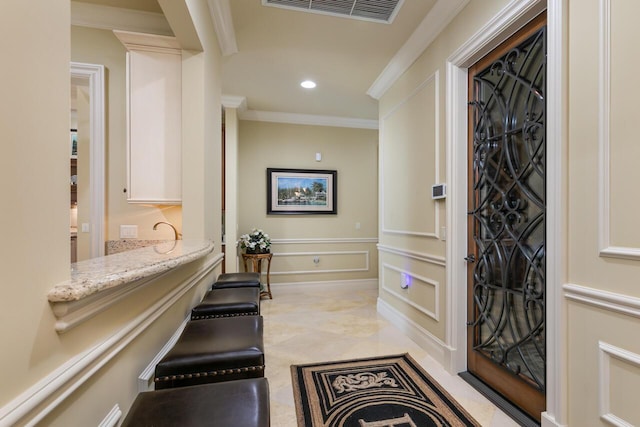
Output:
x=74 y=143
x=302 y=191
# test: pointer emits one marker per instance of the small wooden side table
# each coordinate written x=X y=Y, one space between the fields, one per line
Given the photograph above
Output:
x=256 y=264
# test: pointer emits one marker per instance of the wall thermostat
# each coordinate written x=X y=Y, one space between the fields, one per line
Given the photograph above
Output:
x=439 y=191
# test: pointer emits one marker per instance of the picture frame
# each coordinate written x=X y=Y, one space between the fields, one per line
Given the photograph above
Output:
x=302 y=192
x=73 y=141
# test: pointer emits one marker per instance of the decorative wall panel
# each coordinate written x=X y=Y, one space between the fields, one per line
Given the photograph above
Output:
x=410 y=152
x=619 y=150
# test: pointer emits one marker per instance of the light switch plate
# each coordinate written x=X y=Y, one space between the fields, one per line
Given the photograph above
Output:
x=128 y=231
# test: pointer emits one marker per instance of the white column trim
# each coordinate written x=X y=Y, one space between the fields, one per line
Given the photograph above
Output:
x=556 y=413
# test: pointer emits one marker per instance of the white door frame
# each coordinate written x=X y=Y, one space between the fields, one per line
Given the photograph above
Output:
x=510 y=19
x=94 y=75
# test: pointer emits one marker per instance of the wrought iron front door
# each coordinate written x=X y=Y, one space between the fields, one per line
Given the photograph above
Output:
x=506 y=219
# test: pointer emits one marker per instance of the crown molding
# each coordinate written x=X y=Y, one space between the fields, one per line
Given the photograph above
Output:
x=115 y=18
x=220 y=11
x=436 y=20
x=240 y=103
x=307 y=119
x=232 y=101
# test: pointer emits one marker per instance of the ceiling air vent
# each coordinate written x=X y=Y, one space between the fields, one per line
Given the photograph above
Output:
x=370 y=10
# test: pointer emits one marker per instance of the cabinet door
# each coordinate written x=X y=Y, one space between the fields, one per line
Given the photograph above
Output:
x=154 y=162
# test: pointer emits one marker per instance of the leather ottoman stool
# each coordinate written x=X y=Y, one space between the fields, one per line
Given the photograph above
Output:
x=228 y=302
x=213 y=350
x=242 y=403
x=237 y=280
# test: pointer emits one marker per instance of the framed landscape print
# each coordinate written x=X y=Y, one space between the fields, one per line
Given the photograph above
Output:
x=74 y=143
x=301 y=191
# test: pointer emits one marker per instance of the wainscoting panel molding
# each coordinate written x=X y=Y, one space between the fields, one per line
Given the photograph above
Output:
x=414 y=280
x=610 y=301
x=328 y=284
x=330 y=240
x=419 y=256
x=607 y=247
x=361 y=262
x=607 y=352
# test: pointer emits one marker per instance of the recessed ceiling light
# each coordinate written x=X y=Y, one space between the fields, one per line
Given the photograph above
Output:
x=308 y=84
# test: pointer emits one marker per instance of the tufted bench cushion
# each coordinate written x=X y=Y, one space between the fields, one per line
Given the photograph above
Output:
x=228 y=302
x=213 y=350
x=237 y=280
x=233 y=403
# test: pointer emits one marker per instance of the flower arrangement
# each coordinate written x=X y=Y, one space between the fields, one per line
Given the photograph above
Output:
x=255 y=242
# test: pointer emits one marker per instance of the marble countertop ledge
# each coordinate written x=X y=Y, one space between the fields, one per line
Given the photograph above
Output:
x=98 y=274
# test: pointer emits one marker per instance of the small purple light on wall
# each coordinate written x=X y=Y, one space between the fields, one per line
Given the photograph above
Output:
x=405 y=281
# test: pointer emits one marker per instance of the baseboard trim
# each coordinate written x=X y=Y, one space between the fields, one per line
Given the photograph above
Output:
x=425 y=339
x=145 y=379
x=112 y=418
x=550 y=421
x=507 y=407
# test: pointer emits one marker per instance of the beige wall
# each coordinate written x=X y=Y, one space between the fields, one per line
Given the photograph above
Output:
x=78 y=377
x=413 y=231
x=604 y=241
x=35 y=183
x=346 y=253
x=96 y=46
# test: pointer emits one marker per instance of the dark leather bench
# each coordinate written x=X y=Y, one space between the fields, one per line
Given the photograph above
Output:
x=213 y=350
x=237 y=280
x=228 y=302
x=241 y=403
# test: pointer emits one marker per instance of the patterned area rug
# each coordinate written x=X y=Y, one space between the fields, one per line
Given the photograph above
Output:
x=390 y=391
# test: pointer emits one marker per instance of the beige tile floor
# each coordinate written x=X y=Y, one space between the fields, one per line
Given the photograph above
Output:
x=312 y=323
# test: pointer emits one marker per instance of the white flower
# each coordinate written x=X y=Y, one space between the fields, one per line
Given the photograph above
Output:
x=257 y=238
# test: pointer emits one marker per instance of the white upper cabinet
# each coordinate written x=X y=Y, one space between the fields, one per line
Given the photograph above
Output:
x=154 y=129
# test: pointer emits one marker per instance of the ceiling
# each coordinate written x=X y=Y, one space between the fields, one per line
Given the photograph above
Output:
x=278 y=48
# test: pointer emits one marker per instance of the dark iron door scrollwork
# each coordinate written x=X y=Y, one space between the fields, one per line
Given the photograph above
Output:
x=506 y=258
